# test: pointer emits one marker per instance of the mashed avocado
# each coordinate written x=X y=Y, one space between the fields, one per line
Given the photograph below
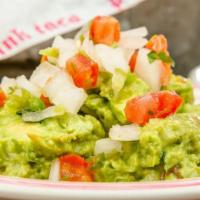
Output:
x=27 y=149
x=167 y=149
x=108 y=105
x=182 y=86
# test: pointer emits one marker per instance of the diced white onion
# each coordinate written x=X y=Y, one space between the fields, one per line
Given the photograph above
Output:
x=43 y=73
x=149 y=72
x=67 y=48
x=24 y=83
x=83 y=31
x=124 y=133
x=54 y=174
x=61 y=91
x=111 y=58
x=106 y=145
x=8 y=83
x=136 y=32
x=49 y=112
x=88 y=48
x=132 y=43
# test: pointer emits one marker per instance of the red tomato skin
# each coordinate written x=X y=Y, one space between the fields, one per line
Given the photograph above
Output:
x=139 y=109
x=105 y=30
x=46 y=101
x=75 y=168
x=74 y=160
x=83 y=70
x=169 y=102
x=132 y=61
x=2 y=98
x=161 y=104
x=158 y=43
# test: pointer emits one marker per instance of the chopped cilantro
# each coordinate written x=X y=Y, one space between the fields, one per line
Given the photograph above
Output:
x=152 y=56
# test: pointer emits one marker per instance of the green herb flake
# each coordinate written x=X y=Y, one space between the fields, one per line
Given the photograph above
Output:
x=82 y=38
x=153 y=56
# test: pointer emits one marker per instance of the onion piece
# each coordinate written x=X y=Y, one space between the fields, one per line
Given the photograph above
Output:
x=54 y=174
x=24 y=83
x=148 y=72
x=111 y=58
x=37 y=116
x=124 y=133
x=136 y=32
x=88 y=48
x=132 y=42
x=8 y=83
x=106 y=145
x=67 y=48
x=61 y=91
x=43 y=73
x=84 y=31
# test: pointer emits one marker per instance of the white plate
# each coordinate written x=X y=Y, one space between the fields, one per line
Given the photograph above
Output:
x=17 y=188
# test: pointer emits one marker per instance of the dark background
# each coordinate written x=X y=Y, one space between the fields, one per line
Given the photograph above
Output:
x=179 y=20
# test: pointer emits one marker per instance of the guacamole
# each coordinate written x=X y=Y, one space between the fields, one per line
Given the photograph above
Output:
x=27 y=149
x=102 y=108
x=167 y=149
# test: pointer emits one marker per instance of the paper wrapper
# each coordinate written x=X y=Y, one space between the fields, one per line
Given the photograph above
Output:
x=25 y=23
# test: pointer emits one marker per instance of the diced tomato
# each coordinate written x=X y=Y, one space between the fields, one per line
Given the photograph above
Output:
x=2 y=98
x=105 y=30
x=133 y=60
x=166 y=72
x=83 y=70
x=169 y=101
x=158 y=43
x=43 y=59
x=45 y=100
x=75 y=168
x=141 y=109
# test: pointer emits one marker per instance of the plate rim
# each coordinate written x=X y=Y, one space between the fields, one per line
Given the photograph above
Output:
x=19 y=188
x=63 y=185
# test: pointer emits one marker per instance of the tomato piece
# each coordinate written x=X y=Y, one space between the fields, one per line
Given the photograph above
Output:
x=75 y=168
x=105 y=30
x=166 y=72
x=83 y=70
x=161 y=104
x=46 y=100
x=140 y=109
x=43 y=59
x=168 y=103
x=2 y=98
x=133 y=60
x=158 y=43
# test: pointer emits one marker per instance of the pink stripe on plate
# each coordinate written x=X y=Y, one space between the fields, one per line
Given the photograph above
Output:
x=100 y=186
